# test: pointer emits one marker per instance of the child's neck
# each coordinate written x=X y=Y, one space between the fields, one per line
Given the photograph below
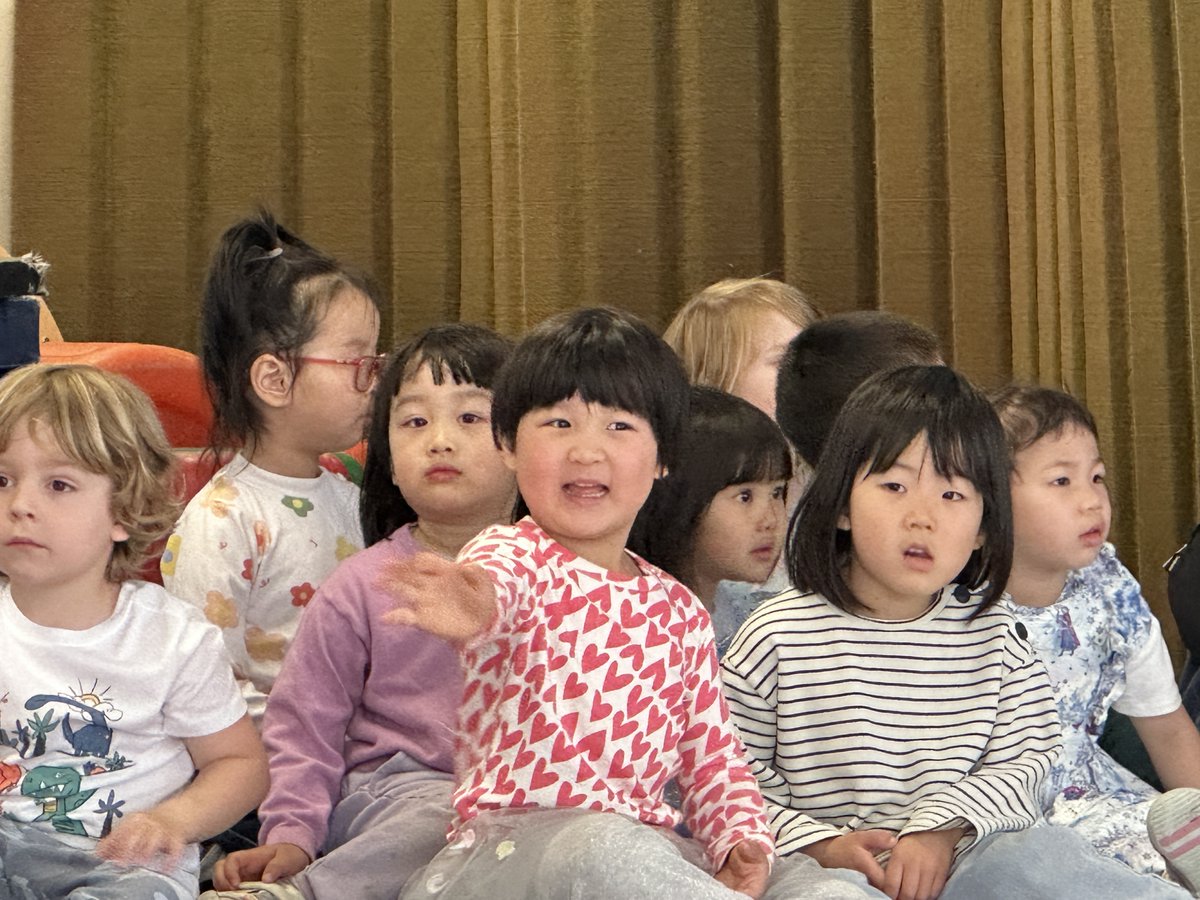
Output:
x=446 y=539
x=282 y=458
x=1030 y=587
x=70 y=607
x=703 y=587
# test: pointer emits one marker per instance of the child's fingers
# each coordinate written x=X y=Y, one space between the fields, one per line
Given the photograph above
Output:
x=401 y=615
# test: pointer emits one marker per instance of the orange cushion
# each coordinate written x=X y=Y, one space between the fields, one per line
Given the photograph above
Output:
x=170 y=377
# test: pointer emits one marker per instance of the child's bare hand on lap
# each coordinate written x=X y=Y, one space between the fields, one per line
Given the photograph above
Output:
x=919 y=864
x=268 y=863
x=143 y=839
x=855 y=850
x=746 y=869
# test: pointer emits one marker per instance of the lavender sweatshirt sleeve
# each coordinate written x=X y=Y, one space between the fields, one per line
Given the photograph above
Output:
x=353 y=692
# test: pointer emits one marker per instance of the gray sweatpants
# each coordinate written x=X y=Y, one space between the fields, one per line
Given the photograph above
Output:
x=568 y=854
x=388 y=824
x=36 y=866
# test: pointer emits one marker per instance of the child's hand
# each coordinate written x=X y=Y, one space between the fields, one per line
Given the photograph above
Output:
x=142 y=839
x=267 y=863
x=746 y=869
x=919 y=864
x=855 y=850
x=452 y=601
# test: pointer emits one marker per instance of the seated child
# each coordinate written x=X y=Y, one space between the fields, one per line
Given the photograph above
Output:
x=590 y=674
x=360 y=723
x=1087 y=620
x=123 y=738
x=288 y=350
x=897 y=721
x=719 y=514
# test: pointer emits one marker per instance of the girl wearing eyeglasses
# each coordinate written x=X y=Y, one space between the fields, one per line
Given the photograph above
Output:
x=287 y=344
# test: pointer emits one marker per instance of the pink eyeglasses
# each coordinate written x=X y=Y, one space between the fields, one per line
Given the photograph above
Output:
x=366 y=368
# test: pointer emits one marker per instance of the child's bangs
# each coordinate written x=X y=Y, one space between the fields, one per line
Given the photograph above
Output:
x=72 y=422
x=955 y=452
x=750 y=461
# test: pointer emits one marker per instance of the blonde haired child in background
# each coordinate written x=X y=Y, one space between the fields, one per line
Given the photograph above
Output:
x=288 y=349
x=1088 y=621
x=360 y=725
x=123 y=738
x=733 y=334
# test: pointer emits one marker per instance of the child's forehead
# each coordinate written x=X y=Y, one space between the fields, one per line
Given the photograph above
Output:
x=44 y=438
x=576 y=403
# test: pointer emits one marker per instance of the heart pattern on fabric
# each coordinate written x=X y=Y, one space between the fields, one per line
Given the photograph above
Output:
x=594 y=692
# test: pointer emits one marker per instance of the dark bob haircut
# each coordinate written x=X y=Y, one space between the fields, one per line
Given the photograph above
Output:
x=726 y=441
x=1029 y=413
x=881 y=418
x=468 y=354
x=830 y=358
x=606 y=356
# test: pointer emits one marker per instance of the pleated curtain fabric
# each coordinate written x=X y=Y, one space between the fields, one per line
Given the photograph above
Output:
x=1021 y=176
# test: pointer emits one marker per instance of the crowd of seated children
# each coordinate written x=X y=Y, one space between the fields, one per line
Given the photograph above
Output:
x=531 y=689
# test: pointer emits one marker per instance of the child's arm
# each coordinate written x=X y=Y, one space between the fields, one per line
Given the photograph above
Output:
x=455 y=602
x=1002 y=792
x=1174 y=747
x=319 y=686
x=231 y=779
x=749 y=677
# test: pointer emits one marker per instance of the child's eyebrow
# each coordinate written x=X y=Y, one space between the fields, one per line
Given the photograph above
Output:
x=464 y=392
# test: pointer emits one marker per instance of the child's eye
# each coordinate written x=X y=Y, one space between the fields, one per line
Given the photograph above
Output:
x=893 y=486
x=745 y=495
x=1061 y=481
x=1098 y=478
x=953 y=495
x=620 y=426
x=470 y=418
x=60 y=486
x=779 y=493
x=557 y=423
x=3 y=481
x=413 y=422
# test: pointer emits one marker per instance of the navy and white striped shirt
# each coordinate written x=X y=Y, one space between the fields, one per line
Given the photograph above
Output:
x=853 y=723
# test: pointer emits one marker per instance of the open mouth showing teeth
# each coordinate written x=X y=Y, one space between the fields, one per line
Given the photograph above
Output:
x=585 y=490
x=917 y=553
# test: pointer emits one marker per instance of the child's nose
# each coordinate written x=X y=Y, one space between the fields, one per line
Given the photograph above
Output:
x=918 y=516
x=439 y=437
x=585 y=450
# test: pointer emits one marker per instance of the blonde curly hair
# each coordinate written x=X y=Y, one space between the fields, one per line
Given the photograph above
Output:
x=109 y=427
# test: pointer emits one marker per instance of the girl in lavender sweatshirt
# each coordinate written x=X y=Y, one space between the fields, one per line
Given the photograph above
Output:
x=361 y=721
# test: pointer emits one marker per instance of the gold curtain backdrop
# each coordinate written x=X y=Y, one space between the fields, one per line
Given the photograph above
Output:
x=1022 y=176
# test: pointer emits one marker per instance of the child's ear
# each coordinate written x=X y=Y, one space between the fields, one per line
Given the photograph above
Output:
x=508 y=454
x=979 y=539
x=271 y=379
x=663 y=472
x=119 y=533
x=843 y=522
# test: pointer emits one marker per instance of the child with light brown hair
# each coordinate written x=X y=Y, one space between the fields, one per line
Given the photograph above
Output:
x=124 y=740
x=733 y=334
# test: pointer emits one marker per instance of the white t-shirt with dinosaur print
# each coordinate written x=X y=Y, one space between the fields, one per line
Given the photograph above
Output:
x=93 y=722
